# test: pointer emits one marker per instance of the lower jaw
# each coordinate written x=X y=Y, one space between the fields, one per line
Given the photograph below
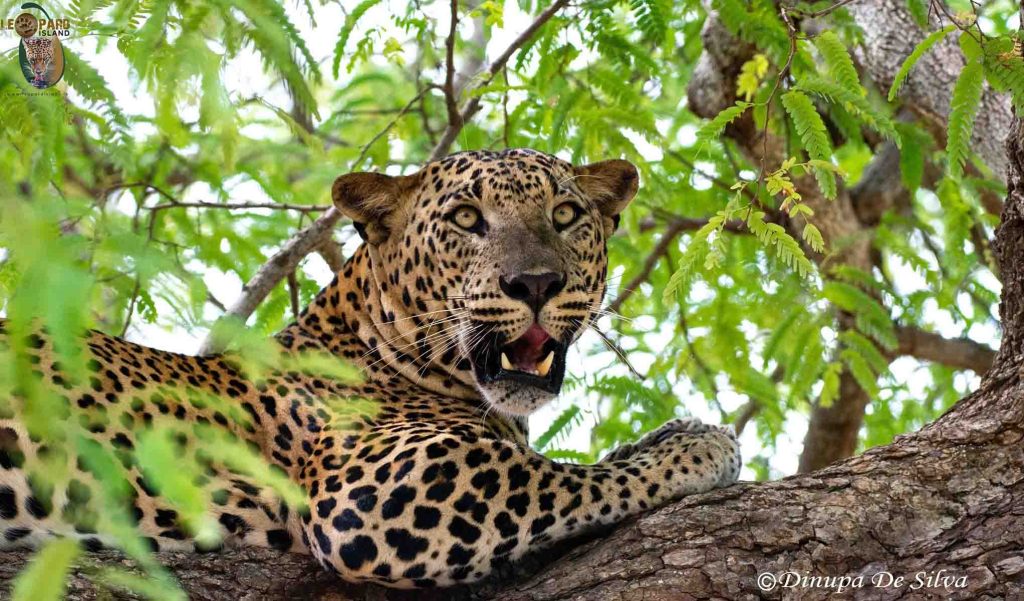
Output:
x=518 y=403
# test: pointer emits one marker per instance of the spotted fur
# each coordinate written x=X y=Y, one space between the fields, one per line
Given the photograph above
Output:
x=39 y=52
x=435 y=484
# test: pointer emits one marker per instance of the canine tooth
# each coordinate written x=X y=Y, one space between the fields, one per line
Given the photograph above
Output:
x=545 y=366
x=505 y=363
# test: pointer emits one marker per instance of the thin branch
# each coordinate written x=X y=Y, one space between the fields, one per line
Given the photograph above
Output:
x=775 y=88
x=822 y=12
x=452 y=104
x=239 y=206
x=213 y=300
x=473 y=104
x=719 y=182
x=664 y=244
x=709 y=375
x=747 y=412
x=293 y=293
x=131 y=307
x=330 y=252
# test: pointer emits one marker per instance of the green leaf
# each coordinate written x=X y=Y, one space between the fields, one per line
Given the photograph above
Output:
x=813 y=238
x=774 y=236
x=830 y=384
x=1004 y=68
x=712 y=130
x=912 y=158
x=926 y=44
x=813 y=134
x=840 y=65
x=43 y=579
x=870 y=316
x=351 y=20
x=559 y=427
x=963 y=109
x=857 y=104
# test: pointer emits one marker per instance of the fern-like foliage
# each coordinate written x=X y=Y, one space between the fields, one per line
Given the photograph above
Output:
x=652 y=17
x=813 y=135
x=926 y=44
x=857 y=104
x=712 y=130
x=773 y=235
x=346 y=31
x=840 y=65
x=870 y=316
x=696 y=251
x=560 y=427
x=912 y=156
x=963 y=108
x=1004 y=66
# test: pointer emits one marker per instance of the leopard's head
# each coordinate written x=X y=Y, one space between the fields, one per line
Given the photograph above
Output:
x=495 y=262
x=39 y=52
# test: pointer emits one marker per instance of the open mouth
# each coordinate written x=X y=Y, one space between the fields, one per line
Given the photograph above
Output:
x=535 y=358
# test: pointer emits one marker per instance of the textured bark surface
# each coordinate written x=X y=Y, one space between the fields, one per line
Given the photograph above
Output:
x=890 y=33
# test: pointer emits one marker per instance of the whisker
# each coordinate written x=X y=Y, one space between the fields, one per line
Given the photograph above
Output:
x=417 y=330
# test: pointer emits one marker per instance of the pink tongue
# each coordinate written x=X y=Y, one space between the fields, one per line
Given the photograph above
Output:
x=526 y=350
x=535 y=336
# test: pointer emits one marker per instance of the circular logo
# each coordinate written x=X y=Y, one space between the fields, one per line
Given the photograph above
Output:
x=26 y=25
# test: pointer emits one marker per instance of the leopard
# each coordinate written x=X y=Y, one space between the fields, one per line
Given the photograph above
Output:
x=39 y=52
x=472 y=278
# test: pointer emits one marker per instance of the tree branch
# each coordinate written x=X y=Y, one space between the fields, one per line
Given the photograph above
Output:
x=473 y=104
x=452 y=104
x=675 y=226
x=960 y=353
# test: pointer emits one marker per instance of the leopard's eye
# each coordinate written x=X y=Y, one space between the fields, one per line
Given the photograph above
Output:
x=468 y=218
x=565 y=214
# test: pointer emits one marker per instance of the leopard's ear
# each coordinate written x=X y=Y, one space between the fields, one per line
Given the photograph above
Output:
x=610 y=185
x=373 y=201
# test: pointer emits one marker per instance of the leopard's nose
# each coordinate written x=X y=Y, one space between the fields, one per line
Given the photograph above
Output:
x=534 y=289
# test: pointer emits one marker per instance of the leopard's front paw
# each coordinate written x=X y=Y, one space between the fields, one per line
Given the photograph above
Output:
x=657 y=436
x=684 y=425
x=692 y=462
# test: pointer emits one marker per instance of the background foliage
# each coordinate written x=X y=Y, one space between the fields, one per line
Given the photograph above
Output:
x=196 y=137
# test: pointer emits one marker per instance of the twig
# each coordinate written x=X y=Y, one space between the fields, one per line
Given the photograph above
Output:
x=293 y=292
x=724 y=185
x=330 y=252
x=746 y=413
x=697 y=359
x=365 y=150
x=822 y=12
x=473 y=104
x=671 y=233
x=213 y=300
x=239 y=206
x=454 y=116
x=768 y=104
x=131 y=306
